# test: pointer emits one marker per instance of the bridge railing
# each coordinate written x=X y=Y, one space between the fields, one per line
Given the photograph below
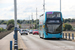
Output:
x=69 y=36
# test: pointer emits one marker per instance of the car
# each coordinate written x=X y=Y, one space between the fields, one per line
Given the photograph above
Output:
x=35 y=32
x=31 y=31
x=27 y=30
x=23 y=31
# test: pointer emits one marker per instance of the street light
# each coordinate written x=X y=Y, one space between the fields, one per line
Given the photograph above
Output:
x=44 y=5
x=60 y=5
x=32 y=20
x=36 y=18
x=15 y=30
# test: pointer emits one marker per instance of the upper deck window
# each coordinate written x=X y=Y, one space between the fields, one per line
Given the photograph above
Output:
x=53 y=14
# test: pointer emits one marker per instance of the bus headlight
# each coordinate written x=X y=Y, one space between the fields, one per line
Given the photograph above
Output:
x=43 y=26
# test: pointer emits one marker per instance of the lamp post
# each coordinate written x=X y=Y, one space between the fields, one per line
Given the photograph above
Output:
x=29 y=22
x=32 y=20
x=60 y=5
x=36 y=18
x=15 y=30
x=44 y=5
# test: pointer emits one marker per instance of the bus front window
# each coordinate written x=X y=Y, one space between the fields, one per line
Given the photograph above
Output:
x=54 y=28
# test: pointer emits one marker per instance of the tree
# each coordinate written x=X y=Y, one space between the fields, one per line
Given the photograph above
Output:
x=67 y=26
x=1 y=21
x=0 y=29
x=10 y=26
x=18 y=21
x=10 y=22
x=4 y=22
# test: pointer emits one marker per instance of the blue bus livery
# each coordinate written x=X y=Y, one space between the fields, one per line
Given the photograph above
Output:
x=50 y=25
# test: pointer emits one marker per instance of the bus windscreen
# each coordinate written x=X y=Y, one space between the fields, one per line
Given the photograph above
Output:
x=53 y=14
x=54 y=28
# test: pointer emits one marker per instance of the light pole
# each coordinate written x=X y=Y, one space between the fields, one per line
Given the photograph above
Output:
x=29 y=22
x=32 y=20
x=60 y=5
x=44 y=5
x=15 y=30
x=36 y=18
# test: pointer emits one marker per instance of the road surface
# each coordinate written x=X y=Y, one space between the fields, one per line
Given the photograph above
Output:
x=33 y=42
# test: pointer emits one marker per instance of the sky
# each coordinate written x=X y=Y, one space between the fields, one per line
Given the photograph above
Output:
x=25 y=8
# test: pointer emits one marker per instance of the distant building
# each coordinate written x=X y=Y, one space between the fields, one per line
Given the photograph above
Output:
x=27 y=26
x=3 y=26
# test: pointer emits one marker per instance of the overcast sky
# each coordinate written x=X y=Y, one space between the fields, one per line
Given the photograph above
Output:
x=26 y=7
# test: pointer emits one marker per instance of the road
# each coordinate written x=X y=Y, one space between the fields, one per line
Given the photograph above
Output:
x=33 y=42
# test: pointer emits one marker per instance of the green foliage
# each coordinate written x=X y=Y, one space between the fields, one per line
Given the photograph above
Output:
x=35 y=26
x=4 y=22
x=10 y=22
x=19 y=26
x=1 y=22
x=68 y=20
x=1 y=30
x=19 y=21
x=67 y=26
x=10 y=26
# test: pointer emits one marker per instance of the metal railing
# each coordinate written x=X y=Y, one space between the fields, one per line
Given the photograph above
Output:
x=69 y=36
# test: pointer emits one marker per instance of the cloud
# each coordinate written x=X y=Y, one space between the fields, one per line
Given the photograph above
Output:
x=26 y=7
x=6 y=1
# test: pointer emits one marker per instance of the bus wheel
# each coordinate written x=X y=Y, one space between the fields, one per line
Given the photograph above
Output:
x=21 y=34
x=27 y=34
x=59 y=38
x=40 y=37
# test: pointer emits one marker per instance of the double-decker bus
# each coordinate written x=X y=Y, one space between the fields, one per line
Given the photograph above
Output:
x=50 y=25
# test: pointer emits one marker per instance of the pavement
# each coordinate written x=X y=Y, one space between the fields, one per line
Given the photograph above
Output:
x=5 y=42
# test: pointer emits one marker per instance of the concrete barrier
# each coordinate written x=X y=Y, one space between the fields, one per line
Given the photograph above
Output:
x=66 y=35
x=72 y=36
x=69 y=35
x=63 y=35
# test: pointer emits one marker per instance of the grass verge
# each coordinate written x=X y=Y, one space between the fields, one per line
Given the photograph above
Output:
x=3 y=34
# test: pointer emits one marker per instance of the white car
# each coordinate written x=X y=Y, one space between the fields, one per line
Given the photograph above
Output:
x=23 y=31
